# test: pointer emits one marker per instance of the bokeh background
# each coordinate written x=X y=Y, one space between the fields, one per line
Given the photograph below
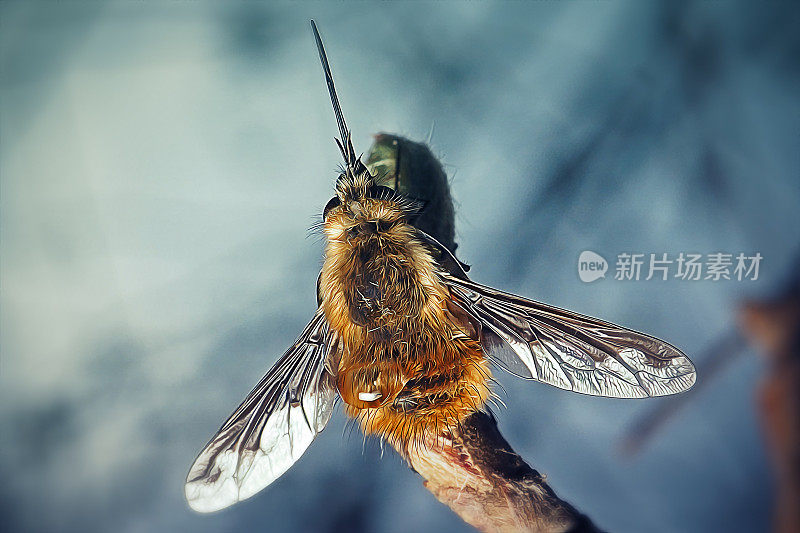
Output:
x=162 y=162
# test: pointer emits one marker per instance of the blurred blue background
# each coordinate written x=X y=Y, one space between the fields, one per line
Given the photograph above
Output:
x=161 y=164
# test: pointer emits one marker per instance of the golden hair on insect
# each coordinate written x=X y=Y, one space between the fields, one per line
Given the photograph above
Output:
x=405 y=364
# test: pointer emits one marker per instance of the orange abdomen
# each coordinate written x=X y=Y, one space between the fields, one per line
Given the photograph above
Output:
x=430 y=379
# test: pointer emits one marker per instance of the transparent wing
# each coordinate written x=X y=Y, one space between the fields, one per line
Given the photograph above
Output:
x=568 y=350
x=272 y=427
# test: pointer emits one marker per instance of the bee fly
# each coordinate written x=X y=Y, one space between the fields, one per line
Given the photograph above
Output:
x=405 y=338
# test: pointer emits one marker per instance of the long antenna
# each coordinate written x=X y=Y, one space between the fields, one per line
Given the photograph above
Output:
x=345 y=145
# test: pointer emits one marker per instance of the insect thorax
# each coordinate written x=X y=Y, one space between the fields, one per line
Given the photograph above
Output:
x=376 y=276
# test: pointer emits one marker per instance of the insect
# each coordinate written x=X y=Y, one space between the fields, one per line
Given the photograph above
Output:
x=405 y=339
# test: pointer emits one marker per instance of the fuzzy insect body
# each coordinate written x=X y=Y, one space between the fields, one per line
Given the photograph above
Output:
x=405 y=338
x=406 y=364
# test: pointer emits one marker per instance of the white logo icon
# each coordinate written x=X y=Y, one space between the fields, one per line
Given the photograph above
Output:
x=591 y=266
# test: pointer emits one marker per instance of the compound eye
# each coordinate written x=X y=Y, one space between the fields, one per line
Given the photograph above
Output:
x=333 y=202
